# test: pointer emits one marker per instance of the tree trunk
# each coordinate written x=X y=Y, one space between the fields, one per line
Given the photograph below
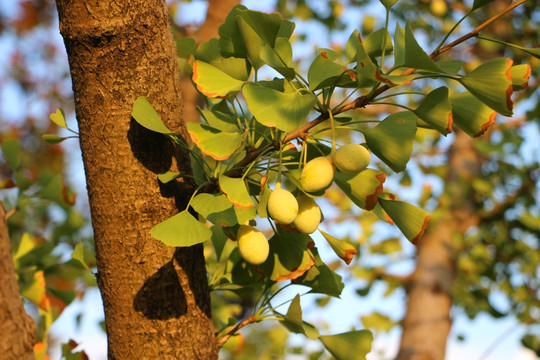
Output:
x=156 y=298
x=17 y=328
x=427 y=320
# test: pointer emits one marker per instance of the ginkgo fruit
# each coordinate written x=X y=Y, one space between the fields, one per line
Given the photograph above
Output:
x=351 y=158
x=309 y=215
x=282 y=205
x=317 y=175
x=252 y=245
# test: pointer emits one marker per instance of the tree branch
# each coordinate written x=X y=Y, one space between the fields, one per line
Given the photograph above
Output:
x=223 y=339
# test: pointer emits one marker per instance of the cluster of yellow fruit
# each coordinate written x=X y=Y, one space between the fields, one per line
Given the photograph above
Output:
x=301 y=212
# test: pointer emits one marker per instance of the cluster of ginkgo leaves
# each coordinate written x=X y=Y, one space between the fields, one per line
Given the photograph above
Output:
x=243 y=149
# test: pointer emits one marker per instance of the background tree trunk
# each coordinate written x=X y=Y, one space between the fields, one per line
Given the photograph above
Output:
x=427 y=320
x=17 y=328
x=215 y=16
x=156 y=298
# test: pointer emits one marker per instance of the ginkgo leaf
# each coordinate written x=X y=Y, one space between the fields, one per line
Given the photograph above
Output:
x=470 y=114
x=59 y=118
x=294 y=323
x=214 y=142
x=236 y=191
x=145 y=114
x=411 y=220
x=436 y=111
x=352 y=345
x=321 y=279
x=289 y=256
x=11 y=149
x=285 y=111
x=491 y=83
x=181 y=230
x=520 y=76
x=366 y=69
x=342 y=248
x=392 y=139
x=324 y=70
x=53 y=139
x=415 y=56
x=373 y=42
x=362 y=188
x=213 y=82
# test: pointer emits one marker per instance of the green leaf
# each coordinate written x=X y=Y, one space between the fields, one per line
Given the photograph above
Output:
x=411 y=220
x=324 y=71
x=185 y=47
x=294 y=323
x=215 y=208
x=145 y=114
x=11 y=149
x=392 y=139
x=436 y=111
x=352 y=46
x=213 y=82
x=59 y=118
x=352 y=345
x=415 y=56
x=491 y=83
x=362 y=188
x=236 y=191
x=57 y=191
x=26 y=245
x=342 y=248
x=479 y=3
x=220 y=145
x=378 y=322
x=366 y=69
x=220 y=120
x=181 y=230
x=399 y=46
x=53 y=139
x=78 y=254
x=286 y=111
x=168 y=176
x=321 y=279
x=520 y=76
x=279 y=57
x=34 y=290
x=373 y=43
x=289 y=256
x=388 y=3
x=231 y=41
x=470 y=114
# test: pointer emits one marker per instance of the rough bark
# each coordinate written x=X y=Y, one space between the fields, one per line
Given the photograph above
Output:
x=427 y=320
x=215 y=16
x=156 y=298
x=17 y=329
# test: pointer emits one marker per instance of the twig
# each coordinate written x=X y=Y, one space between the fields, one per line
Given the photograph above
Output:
x=498 y=340
x=249 y=320
x=362 y=101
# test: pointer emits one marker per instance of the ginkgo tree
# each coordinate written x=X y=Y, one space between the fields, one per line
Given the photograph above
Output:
x=267 y=148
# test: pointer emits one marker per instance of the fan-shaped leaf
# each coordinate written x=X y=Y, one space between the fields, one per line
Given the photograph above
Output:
x=520 y=76
x=289 y=257
x=213 y=82
x=321 y=279
x=59 y=118
x=342 y=248
x=145 y=114
x=352 y=345
x=471 y=115
x=411 y=220
x=286 y=111
x=324 y=71
x=181 y=230
x=293 y=321
x=362 y=188
x=11 y=149
x=436 y=111
x=491 y=83
x=415 y=56
x=373 y=43
x=392 y=139
x=236 y=191
x=213 y=142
